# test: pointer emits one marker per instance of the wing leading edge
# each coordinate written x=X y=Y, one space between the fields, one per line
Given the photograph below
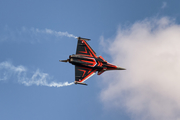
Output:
x=82 y=74
x=83 y=48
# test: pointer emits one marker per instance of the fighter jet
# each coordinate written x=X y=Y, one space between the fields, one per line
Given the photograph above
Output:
x=87 y=63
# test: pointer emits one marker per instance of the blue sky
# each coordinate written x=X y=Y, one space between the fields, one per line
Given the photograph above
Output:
x=27 y=50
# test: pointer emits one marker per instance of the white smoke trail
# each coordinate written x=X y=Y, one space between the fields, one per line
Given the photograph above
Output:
x=8 y=71
x=31 y=34
x=52 y=32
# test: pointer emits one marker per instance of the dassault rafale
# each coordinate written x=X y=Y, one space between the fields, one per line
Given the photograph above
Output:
x=87 y=63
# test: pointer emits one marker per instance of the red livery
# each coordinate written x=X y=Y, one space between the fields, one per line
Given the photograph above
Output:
x=87 y=63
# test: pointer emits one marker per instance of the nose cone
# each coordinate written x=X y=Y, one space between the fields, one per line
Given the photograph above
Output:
x=120 y=68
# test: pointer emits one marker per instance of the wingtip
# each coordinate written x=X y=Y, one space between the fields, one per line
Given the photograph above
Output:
x=81 y=83
x=80 y=38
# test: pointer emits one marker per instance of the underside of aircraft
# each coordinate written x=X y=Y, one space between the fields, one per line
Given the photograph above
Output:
x=87 y=63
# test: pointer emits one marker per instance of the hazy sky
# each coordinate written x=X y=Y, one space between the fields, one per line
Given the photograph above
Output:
x=141 y=36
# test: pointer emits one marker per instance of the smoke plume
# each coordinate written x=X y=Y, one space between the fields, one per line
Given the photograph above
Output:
x=26 y=77
x=150 y=87
x=31 y=34
x=52 y=32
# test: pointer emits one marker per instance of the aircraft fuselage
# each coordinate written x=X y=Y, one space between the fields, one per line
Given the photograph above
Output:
x=94 y=63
